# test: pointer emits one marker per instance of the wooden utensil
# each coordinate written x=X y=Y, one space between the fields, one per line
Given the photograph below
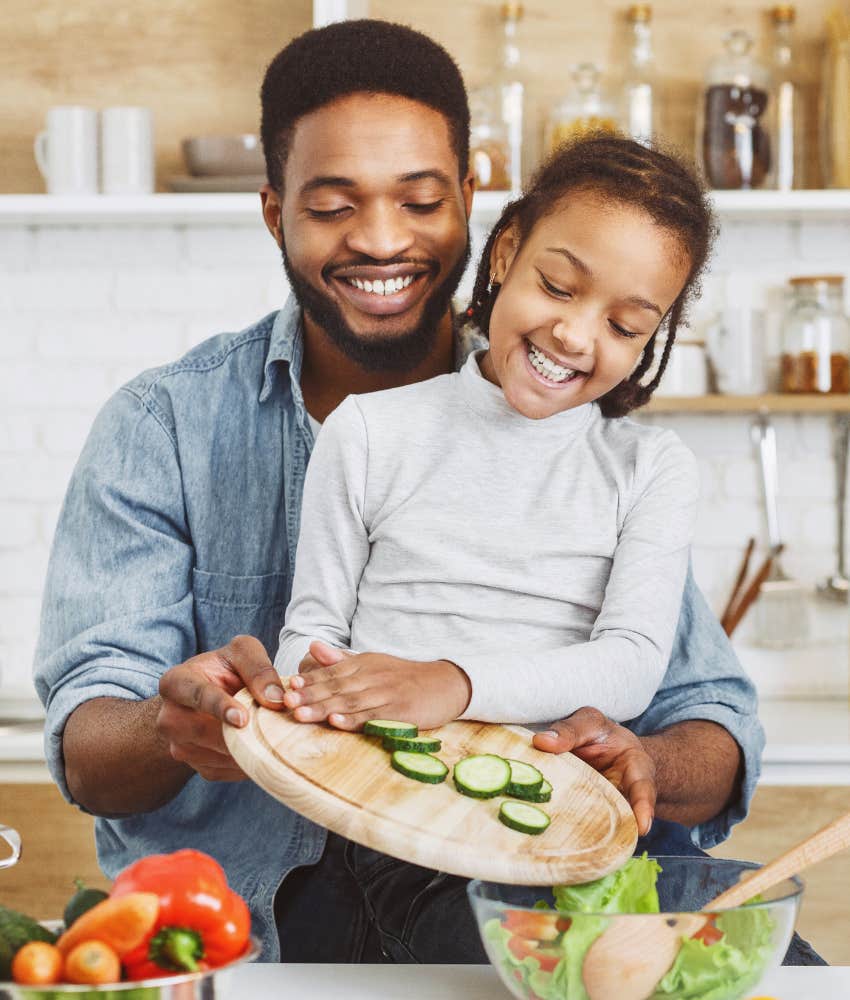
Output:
x=627 y=961
x=344 y=781
x=739 y=582
x=751 y=593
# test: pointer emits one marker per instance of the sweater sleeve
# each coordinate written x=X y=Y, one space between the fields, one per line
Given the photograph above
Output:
x=333 y=544
x=620 y=667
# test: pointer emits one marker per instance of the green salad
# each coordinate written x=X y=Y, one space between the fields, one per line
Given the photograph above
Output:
x=543 y=950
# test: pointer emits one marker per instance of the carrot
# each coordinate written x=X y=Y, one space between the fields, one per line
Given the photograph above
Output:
x=121 y=923
x=37 y=963
x=92 y=962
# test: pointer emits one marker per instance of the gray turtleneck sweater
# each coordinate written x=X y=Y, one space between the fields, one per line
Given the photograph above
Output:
x=544 y=557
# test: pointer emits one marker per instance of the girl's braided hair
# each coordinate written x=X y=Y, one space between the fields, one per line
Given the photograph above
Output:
x=622 y=170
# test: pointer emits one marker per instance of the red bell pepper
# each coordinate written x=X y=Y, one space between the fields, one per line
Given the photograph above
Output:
x=202 y=923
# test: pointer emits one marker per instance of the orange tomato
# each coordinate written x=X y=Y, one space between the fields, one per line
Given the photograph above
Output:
x=37 y=963
x=92 y=962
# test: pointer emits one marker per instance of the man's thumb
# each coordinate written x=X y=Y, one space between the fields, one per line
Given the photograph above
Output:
x=325 y=654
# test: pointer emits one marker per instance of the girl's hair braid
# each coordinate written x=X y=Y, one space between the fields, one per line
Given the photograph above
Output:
x=619 y=169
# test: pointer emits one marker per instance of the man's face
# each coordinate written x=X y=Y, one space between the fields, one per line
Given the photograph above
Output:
x=374 y=225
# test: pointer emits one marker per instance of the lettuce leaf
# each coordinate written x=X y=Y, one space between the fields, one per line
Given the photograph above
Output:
x=630 y=889
x=725 y=969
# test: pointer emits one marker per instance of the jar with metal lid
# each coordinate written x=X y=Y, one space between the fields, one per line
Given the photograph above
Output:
x=816 y=337
x=733 y=134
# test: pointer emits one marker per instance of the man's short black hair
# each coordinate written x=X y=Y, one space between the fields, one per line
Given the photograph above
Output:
x=363 y=56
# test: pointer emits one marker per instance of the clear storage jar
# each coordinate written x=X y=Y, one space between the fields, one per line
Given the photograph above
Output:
x=816 y=337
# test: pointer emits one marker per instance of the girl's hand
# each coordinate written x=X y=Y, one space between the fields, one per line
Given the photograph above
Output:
x=347 y=690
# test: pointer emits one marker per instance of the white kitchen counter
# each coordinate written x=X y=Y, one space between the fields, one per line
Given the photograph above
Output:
x=808 y=743
x=468 y=982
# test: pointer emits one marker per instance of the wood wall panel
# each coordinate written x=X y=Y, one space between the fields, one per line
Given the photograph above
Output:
x=197 y=63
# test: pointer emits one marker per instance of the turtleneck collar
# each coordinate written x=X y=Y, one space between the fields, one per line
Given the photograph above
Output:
x=488 y=400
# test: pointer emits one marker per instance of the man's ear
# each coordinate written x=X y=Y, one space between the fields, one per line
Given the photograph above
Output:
x=271 y=202
x=503 y=253
x=468 y=191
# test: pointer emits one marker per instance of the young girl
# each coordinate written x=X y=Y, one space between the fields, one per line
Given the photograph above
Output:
x=504 y=529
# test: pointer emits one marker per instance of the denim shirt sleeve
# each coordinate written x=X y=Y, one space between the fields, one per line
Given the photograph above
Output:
x=118 y=607
x=704 y=680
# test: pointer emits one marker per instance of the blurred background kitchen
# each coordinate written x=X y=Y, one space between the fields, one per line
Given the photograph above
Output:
x=101 y=277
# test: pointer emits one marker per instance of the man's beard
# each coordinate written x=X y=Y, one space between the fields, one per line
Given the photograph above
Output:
x=376 y=351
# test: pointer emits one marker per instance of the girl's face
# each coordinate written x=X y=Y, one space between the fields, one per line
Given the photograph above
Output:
x=580 y=298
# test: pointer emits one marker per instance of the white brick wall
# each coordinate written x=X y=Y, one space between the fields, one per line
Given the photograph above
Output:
x=83 y=308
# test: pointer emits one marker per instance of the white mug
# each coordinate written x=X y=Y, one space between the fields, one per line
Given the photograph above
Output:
x=736 y=347
x=66 y=151
x=127 y=151
x=686 y=372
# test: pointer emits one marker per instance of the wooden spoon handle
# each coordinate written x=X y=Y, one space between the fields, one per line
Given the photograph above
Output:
x=834 y=837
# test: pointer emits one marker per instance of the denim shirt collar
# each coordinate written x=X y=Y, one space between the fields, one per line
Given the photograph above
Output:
x=287 y=345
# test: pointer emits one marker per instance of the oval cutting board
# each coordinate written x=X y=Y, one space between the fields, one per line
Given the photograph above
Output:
x=344 y=782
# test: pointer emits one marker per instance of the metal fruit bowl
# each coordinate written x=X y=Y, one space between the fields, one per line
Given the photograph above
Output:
x=213 y=984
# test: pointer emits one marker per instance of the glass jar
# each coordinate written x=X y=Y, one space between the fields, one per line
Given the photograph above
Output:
x=489 y=144
x=733 y=134
x=816 y=337
x=835 y=102
x=587 y=108
x=640 y=90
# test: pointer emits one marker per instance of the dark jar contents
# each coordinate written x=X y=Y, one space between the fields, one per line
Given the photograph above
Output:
x=736 y=145
x=804 y=372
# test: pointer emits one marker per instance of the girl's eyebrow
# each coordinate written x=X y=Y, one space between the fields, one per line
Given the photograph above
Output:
x=579 y=265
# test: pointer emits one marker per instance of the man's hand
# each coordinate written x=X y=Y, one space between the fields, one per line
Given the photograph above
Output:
x=197 y=696
x=612 y=750
x=349 y=689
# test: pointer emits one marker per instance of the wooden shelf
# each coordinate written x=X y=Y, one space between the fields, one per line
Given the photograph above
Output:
x=768 y=403
x=244 y=209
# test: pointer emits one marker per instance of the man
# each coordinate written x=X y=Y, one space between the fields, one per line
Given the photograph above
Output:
x=180 y=525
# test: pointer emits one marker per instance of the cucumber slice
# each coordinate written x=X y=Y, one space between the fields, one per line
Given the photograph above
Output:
x=523 y=817
x=385 y=727
x=482 y=776
x=525 y=779
x=543 y=793
x=416 y=744
x=419 y=766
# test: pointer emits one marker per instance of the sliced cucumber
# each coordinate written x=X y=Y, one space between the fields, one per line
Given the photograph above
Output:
x=417 y=744
x=525 y=779
x=419 y=766
x=523 y=817
x=482 y=776
x=543 y=793
x=385 y=727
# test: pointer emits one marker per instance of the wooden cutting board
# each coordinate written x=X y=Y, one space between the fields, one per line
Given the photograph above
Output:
x=344 y=782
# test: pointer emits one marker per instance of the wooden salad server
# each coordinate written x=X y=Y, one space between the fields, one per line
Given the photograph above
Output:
x=631 y=956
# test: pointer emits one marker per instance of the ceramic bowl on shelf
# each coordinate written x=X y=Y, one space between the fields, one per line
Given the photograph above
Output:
x=550 y=964
x=223 y=155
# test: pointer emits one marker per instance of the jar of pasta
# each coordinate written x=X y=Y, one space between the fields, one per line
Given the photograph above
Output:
x=816 y=337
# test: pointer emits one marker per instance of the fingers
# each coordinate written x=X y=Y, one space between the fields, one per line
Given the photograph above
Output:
x=189 y=686
x=248 y=659
x=585 y=726
x=327 y=655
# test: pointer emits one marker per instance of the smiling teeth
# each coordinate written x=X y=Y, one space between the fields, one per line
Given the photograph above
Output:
x=547 y=368
x=378 y=287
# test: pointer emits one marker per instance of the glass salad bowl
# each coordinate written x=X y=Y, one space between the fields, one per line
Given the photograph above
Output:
x=537 y=938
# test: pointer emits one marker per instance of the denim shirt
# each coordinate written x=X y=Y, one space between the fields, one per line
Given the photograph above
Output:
x=178 y=532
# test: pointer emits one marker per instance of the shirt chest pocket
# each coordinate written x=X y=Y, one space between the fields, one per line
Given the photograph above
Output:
x=227 y=605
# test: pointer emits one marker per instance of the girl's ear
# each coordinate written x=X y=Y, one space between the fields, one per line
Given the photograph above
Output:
x=503 y=252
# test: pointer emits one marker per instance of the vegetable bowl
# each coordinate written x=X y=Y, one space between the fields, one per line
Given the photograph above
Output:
x=211 y=984
x=537 y=938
